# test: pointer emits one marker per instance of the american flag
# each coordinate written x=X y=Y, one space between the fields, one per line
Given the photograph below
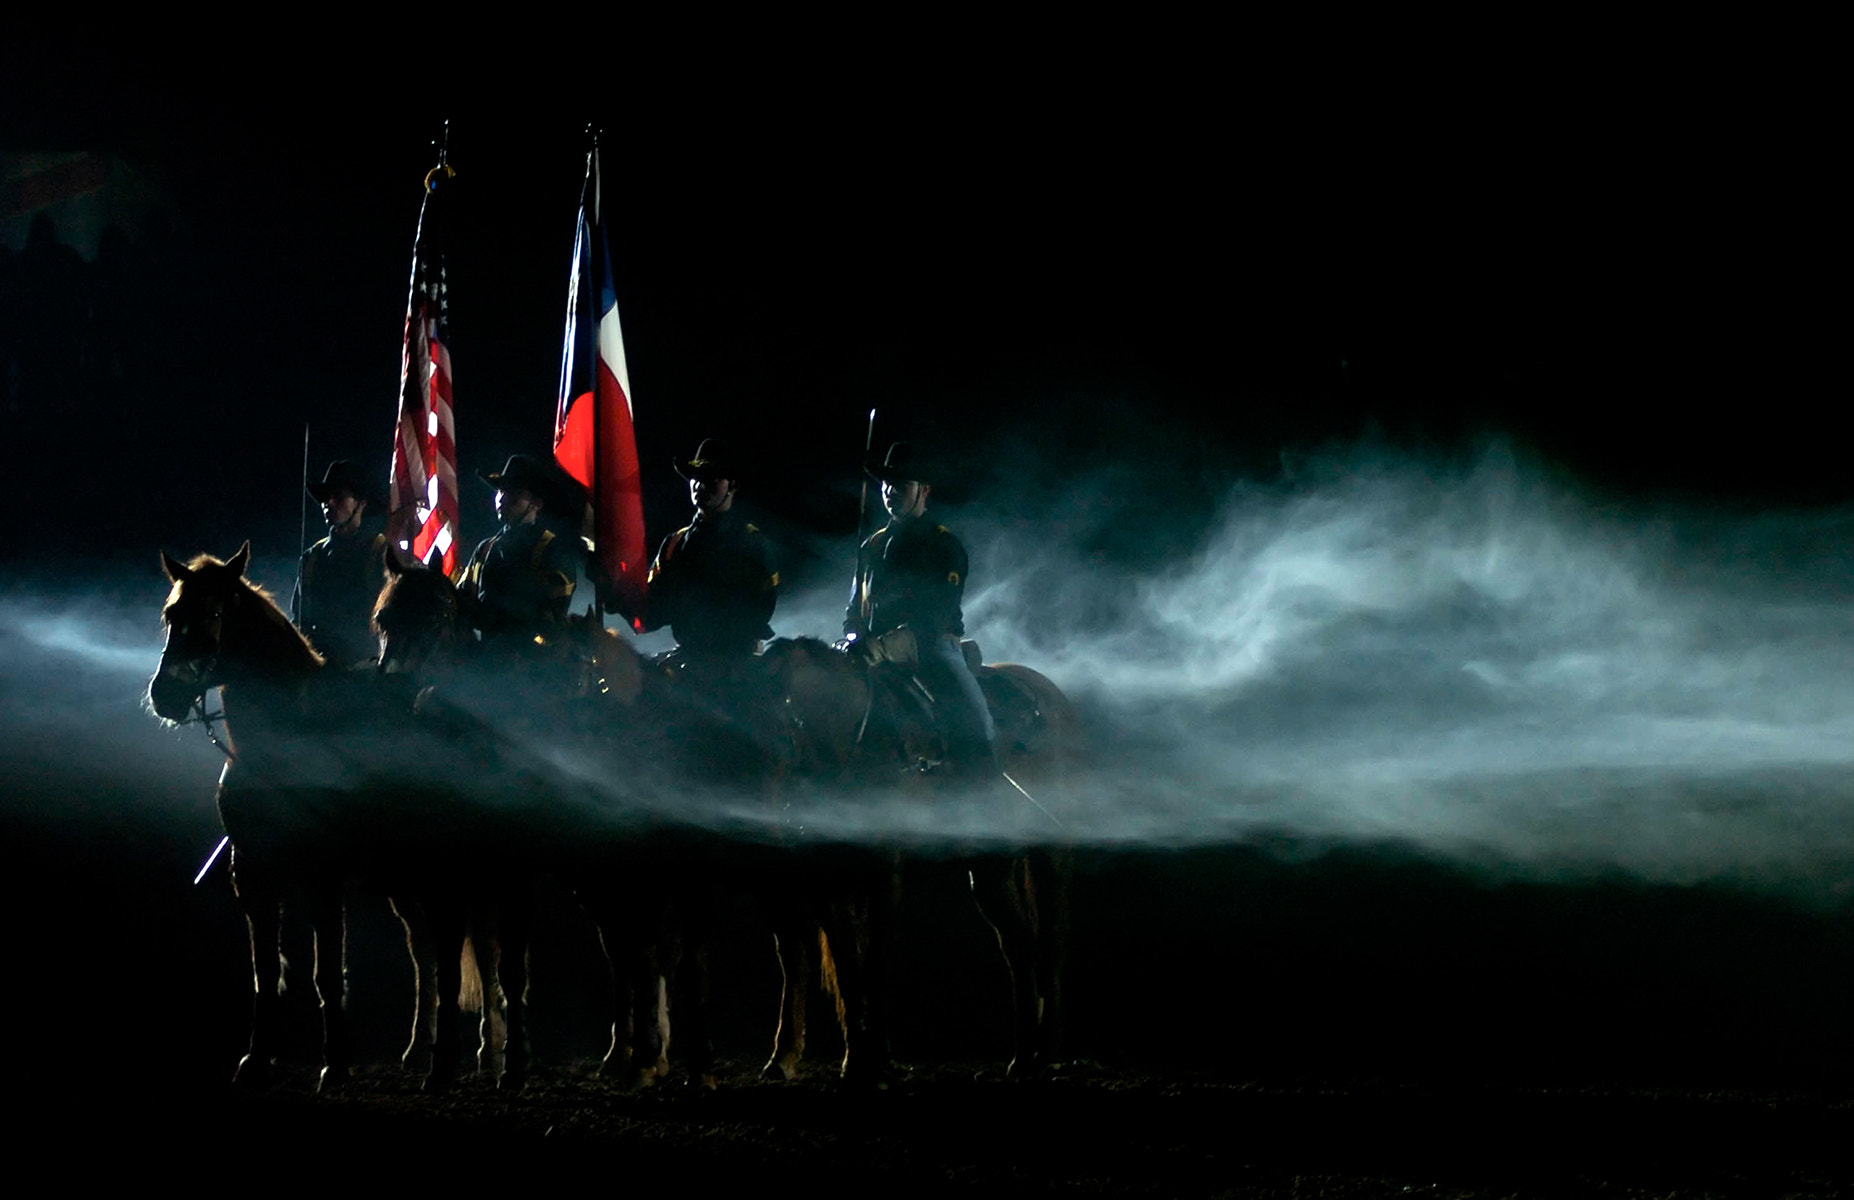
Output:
x=593 y=437
x=424 y=486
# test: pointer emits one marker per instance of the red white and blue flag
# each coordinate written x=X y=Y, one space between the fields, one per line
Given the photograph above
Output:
x=594 y=441
x=423 y=496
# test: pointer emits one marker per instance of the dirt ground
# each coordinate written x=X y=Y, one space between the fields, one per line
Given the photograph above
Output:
x=1083 y=1131
x=1242 y=1023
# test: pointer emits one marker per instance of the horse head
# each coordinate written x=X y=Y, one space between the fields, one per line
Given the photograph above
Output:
x=204 y=591
x=415 y=617
x=219 y=623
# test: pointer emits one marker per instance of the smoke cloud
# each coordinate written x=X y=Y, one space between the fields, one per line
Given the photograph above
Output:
x=1474 y=660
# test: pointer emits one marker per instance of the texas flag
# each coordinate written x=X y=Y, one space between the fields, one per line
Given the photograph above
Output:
x=593 y=437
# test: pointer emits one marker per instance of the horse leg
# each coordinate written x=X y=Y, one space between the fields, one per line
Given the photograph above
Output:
x=618 y=1053
x=328 y=918
x=412 y=917
x=651 y=964
x=1004 y=905
x=1047 y=878
x=640 y=1039
x=479 y=990
x=511 y=966
x=792 y=935
x=857 y=934
x=263 y=906
x=689 y=997
x=448 y=929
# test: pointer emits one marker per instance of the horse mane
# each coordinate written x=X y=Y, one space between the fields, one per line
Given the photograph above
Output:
x=404 y=585
x=266 y=606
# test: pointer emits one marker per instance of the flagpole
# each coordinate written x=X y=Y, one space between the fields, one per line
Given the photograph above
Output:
x=424 y=468
x=594 y=233
x=599 y=449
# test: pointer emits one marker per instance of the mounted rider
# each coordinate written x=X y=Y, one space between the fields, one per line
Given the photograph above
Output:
x=340 y=576
x=520 y=580
x=714 y=582
x=905 y=606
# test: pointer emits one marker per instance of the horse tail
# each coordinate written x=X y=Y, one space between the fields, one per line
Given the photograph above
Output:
x=827 y=978
x=469 y=979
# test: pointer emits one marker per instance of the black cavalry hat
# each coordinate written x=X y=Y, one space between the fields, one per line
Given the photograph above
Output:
x=902 y=464
x=712 y=461
x=550 y=485
x=345 y=476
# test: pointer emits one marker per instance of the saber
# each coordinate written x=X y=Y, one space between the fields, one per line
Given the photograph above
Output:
x=214 y=857
x=1026 y=795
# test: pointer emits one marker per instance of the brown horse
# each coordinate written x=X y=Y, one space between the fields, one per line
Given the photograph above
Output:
x=585 y=691
x=329 y=778
x=224 y=631
x=848 y=733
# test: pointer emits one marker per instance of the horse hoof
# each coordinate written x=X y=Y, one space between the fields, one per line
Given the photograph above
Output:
x=333 y=1080
x=512 y=1081
x=1034 y=1067
x=707 y=1081
x=780 y=1069
x=253 y=1071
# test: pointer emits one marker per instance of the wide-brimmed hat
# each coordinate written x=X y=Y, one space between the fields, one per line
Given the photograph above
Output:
x=902 y=464
x=549 y=484
x=521 y=473
x=712 y=460
x=345 y=476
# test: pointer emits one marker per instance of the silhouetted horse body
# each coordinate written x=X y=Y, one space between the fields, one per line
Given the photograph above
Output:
x=224 y=632
x=330 y=778
x=847 y=735
x=639 y=879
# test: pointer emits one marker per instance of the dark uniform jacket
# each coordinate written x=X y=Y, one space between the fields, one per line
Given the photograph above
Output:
x=519 y=582
x=909 y=573
x=336 y=586
x=714 y=584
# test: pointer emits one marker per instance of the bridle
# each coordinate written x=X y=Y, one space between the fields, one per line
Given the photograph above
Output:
x=199 y=672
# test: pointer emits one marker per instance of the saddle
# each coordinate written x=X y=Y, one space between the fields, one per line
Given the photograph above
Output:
x=901 y=703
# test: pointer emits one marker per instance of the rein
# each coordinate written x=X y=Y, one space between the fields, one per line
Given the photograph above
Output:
x=206 y=719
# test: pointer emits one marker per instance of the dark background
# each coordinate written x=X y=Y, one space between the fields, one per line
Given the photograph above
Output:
x=1190 y=264
x=1184 y=259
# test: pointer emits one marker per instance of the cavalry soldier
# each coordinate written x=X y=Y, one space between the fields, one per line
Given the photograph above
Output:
x=520 y=580
x=713 y=582
x=340 y=576
x=910 y=576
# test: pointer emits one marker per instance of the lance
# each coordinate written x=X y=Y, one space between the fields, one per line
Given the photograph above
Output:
x=302 y=528
x=862 y=518
x=302 y=541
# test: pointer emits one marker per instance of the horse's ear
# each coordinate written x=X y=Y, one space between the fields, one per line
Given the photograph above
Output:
x=238 y=562
x=394 y=567
x=175 y=571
